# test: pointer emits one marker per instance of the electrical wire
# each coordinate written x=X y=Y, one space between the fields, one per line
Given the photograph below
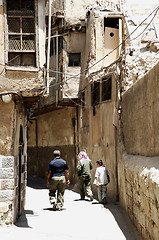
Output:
x=124 y=40
x=145 y=27
x=94 y=90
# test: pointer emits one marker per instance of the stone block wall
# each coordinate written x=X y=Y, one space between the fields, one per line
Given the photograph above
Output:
x=138 y=168
x=139 y=192
x=6 y=189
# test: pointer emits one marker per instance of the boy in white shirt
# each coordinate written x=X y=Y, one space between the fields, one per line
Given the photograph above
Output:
x=101 y=180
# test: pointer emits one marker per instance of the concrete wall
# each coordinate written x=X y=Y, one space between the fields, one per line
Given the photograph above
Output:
x=139 y=168
x=48 y=132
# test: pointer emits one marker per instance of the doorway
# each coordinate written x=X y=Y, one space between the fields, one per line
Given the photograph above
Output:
x=20 y=150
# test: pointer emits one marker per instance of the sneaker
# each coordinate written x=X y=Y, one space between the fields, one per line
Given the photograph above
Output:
x=52 y=200
x=59 y=208
x=104 y=201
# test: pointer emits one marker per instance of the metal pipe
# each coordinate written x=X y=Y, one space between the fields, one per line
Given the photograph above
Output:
x=48 y=48
x=57 y=66
x=57 y=57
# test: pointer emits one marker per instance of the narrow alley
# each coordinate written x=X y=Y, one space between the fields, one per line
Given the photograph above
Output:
x=79 y=220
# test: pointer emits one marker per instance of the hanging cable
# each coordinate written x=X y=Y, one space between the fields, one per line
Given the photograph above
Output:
x=124 y=40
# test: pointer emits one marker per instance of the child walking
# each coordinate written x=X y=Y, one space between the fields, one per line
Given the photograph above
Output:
x=101 y=180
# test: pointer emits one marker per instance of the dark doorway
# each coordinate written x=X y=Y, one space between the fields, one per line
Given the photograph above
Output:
x=21 y=146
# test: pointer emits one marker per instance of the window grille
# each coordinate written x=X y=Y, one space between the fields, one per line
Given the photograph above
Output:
x=13 y=25
x=28 y=25
x=21 y=29
x=14 y=42
x=21 y=34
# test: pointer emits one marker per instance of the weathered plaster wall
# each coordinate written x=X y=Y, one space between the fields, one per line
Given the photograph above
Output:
x=75 y=43
x=144 y=41
x=82 y=7
x=12 y=165
x=1 y=38
x=23 y=77
x=99 y=43
x=51 y=131
x=41 y=32
x=140 y=115
x=6 y=127
x=139 y=173
x=97 y=136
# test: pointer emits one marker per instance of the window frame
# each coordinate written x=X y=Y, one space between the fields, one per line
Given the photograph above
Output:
x=25 y=43
x=106 y=96
x=72 y=65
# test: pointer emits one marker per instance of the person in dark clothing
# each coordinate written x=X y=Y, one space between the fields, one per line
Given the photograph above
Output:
x=57 y=178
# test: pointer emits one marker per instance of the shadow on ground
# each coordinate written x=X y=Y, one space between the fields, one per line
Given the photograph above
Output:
x=123 y=221
x=116 y=210
x=22 y=219
x=36 y=183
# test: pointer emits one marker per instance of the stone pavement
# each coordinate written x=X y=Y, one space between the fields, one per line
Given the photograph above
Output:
x=79 y=220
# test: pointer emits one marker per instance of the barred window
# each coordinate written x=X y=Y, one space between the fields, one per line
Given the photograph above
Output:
x=21 y=31
x=95 y=95
x=106 y=88
x=95 y=91
x=74 y=59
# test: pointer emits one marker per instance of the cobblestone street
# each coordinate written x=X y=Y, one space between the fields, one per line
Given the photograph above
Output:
x=79 y=220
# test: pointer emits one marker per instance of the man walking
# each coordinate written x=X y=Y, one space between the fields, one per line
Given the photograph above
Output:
x=84 y=167
x=57 y=178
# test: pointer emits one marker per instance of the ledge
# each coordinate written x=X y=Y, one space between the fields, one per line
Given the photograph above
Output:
x=22 y=68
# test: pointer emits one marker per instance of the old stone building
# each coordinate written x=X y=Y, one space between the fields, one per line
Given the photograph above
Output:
x=97 y=91
x=22 y=47
x=68 y=119
x=94 y=59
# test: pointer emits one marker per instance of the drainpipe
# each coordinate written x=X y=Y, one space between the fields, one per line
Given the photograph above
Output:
x=57 y=66
x=77 y=135
x=48 y=48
